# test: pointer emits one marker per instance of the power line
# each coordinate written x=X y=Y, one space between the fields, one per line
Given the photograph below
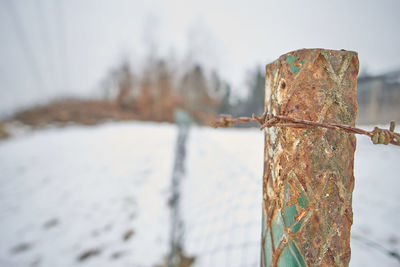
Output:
x=25 y=45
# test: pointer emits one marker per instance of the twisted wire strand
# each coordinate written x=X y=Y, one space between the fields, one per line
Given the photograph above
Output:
x=378 y=135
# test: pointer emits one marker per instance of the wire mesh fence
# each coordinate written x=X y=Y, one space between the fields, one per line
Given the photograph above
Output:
x=221 y=197
x=222 y=202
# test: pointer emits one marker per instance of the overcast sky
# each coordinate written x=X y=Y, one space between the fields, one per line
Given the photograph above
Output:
x=50 y=48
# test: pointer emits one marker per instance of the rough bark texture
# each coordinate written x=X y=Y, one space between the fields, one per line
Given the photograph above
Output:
x=308 y=173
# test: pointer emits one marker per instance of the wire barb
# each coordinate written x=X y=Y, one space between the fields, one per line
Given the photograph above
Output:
x=378 y=135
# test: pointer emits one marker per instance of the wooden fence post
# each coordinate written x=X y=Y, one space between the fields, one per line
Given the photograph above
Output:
x=308 y=172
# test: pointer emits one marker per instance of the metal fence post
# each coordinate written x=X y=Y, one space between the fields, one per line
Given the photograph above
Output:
x=176 y=257
x=308 y=172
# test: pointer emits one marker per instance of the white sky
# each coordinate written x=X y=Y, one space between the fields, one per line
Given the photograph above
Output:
x=50 y=48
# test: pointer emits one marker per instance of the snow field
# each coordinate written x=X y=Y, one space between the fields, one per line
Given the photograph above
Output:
x=100 y=194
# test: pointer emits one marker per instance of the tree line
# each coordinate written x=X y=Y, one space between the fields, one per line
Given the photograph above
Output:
x=155 y=91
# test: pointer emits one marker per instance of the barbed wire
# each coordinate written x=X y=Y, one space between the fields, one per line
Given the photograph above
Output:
x=378 y=135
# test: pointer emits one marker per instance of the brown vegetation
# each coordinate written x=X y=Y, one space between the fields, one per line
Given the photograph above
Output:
x=87 y=112
x=152 y=96
x=3 y=133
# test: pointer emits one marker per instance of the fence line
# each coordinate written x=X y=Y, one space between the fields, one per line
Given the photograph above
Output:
x=378 y=135
x=213 y=221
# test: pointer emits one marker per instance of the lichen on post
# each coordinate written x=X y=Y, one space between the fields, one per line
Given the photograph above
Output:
x=308 y=172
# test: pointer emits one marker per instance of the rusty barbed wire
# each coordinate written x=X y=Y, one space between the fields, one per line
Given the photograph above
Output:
x=378 y=135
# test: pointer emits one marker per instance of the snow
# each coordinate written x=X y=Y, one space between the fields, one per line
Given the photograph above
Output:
x=67 y=191
x=98 y=183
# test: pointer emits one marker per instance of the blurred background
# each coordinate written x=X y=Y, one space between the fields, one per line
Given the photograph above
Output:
x=96 y=171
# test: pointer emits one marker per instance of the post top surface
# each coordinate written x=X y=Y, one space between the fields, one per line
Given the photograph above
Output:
x=313 y=51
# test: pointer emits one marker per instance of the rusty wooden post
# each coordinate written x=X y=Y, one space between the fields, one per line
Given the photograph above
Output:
x=308 y=173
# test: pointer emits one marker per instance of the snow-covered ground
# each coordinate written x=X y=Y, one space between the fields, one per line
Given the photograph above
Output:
x=98 y=196
x=67 y=192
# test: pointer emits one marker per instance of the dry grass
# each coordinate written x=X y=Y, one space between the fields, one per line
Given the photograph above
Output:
x=3 y=133
x=87 y=112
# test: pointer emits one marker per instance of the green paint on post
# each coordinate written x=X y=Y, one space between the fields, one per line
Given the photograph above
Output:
x=303 y=200
x=293 y=68
x=278 y=231
x=291 y=257
x=297 y=226
x=267 y=256
x=289 y=215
